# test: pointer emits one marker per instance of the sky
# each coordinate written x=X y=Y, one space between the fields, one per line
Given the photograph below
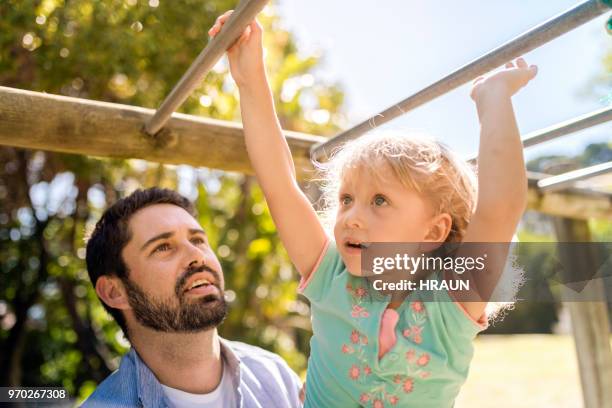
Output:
x=380 y=52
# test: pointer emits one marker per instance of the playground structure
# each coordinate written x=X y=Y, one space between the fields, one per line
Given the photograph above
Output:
x=35 y=120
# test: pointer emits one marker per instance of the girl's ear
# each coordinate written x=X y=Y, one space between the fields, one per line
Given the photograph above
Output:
x=439 y=228
x=112 y=292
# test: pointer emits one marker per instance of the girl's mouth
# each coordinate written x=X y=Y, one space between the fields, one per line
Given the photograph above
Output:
x=355 y=246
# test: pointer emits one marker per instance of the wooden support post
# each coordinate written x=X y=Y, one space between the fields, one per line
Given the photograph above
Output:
x=590 y=325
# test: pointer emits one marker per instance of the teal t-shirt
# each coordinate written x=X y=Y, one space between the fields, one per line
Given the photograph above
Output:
x=425 y=368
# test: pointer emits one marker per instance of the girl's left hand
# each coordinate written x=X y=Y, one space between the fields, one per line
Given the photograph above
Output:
x=505 y=82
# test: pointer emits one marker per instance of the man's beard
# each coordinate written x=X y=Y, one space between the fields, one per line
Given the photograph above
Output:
x=188 y=316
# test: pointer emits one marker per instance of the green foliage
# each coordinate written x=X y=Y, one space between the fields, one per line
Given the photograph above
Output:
x=53 y=330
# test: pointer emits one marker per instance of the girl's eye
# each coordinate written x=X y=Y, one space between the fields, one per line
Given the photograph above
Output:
x=161 y=248
x=346 y=200
x=379 y=200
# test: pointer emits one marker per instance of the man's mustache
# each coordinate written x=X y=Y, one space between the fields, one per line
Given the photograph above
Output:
x=192 y=270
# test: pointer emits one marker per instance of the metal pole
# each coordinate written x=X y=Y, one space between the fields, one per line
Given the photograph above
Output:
x=567 y=179
x=522 y=44
x=214 y=50
x=565 y=128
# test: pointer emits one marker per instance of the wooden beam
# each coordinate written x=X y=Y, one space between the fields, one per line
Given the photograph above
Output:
x=590 y=324
x=36 y=120
x=573 y=202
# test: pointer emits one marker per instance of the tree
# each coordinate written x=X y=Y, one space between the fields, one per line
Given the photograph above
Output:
x=53 y=330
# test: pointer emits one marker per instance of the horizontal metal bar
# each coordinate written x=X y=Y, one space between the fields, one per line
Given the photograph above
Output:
x=565 y=128
x=214 y=50
x=571 y=126
x=520 y=45
x=564 y=180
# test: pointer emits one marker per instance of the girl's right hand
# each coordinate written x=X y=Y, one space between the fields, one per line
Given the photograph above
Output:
x=246 y=54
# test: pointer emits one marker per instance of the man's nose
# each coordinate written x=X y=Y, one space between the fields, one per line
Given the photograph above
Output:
x=194 y=254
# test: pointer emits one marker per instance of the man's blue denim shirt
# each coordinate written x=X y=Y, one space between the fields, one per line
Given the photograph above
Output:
x=262 y=380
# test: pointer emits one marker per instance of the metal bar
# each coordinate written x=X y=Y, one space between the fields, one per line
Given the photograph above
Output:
x=214 y=50
x=564 y=180
x=520 y=45
x=565 y=128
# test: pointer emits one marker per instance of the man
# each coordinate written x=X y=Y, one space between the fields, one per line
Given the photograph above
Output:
x=156 y=274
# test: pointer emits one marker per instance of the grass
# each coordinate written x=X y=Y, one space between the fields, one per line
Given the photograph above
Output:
x=531 y=370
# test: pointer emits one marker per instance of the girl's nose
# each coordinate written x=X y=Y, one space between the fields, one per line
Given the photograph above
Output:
x=354 y=218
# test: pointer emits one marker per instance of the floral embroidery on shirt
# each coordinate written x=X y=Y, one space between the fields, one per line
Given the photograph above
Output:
x=414 y=331
x=384 y=394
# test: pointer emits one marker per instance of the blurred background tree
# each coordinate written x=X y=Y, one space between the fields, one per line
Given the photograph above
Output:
x=53 y=330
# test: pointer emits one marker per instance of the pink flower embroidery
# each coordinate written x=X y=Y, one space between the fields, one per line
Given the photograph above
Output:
x=418 y=306
x=359 y=311
x=346 y=349
x=364 y=340
x=378 y=404
x=364 y=397
x=410 y=356
x=423 y=359
x=367 y=370
x=414 y=332
x=360 y=292
x=354 y=372
x=408 y=385
x=354 y=337
x=393 y=400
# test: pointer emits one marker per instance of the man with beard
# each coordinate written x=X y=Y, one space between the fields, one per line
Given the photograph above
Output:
x=155 y=273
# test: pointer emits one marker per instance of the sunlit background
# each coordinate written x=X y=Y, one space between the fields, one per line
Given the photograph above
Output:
x=332 y=64
x=382 y=52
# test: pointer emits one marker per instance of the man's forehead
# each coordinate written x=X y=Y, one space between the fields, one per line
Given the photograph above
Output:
x=160 y=218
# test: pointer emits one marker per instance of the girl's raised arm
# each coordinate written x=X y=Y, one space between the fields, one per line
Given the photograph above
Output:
x=296 y=221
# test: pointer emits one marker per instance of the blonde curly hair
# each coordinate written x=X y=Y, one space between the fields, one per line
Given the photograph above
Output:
x=421 y=164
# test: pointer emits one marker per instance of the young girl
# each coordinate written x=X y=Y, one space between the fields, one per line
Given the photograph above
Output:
x=404 y=352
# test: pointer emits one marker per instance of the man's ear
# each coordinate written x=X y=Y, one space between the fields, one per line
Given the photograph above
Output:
x=112 y=292
x=439 y=228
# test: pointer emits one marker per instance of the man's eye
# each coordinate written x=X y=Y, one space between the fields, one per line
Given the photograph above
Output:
x=161 y=248
x=198 y=241
x=346 y=200
x=379 y=200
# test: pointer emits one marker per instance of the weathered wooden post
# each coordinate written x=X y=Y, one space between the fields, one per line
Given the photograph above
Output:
x=590 y=324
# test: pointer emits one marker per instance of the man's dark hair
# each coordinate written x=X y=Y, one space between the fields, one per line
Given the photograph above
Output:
x=112 y=234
